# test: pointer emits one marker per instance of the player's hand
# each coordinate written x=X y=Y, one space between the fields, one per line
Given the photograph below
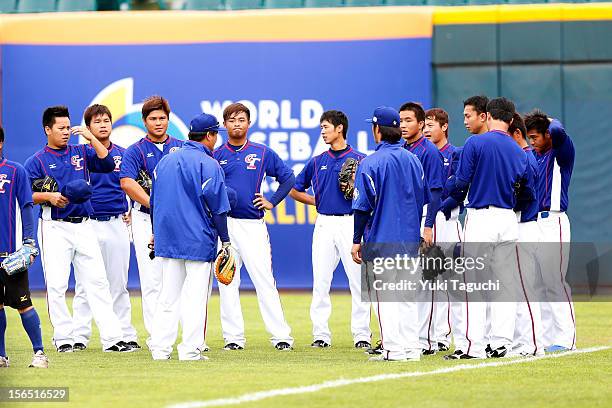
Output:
x=58 y=200
x=261 y=203
x=356 y=253
x=127 y=218
x=428 y=236
x=82 y=131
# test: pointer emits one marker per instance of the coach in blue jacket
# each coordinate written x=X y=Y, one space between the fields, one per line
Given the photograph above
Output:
x=189 y=206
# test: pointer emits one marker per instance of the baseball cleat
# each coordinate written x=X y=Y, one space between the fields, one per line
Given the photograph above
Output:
x=497 y=353
x=120 y=347
x=320 y=344
x=428 y=352
x=65 y=348
x=4 y=362
x=466 y=357
x=375 y=350
x=232 y=346
x=455 y=356
x=79 y=347
x=39 y=360
x=556 y=349
x=132 y=344
x=283 y=346
x=442 y=347
x=382 y=358
x=363 y=345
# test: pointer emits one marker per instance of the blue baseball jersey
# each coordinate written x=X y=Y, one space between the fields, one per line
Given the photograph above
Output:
x=144 y=155
x=448 y=152
x=15 y=199
x=108 y=198
x=188 y=188
x=321 y=172
x=390 y=183
x=244 y=168
x=432 y=161
x=71 y=163
x=555 y=170
x=529 y=210
x=491 y=164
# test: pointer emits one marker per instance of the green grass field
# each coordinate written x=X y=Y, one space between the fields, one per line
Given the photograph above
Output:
x=97 y=379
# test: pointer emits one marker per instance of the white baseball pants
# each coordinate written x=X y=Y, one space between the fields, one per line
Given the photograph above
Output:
x=61 y=244
x=252 y=243
x=114 y=240
x=332 y=241
x=185 y=290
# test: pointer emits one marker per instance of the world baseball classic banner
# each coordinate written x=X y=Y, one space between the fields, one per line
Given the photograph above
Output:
x=286 y=66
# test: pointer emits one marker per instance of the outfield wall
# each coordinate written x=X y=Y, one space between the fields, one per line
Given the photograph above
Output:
x=289 y=66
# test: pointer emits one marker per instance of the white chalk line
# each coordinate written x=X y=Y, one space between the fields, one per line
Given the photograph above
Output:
x=258 y=396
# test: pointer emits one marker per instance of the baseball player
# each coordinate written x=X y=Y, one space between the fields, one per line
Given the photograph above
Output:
x=333 y=232
x=186 y=240
x=139 y=161
x=412 y=122
x=245 y=164
x=475 y=114
x=109 y=218
x=554 y=152
x=17 y=229
x=388 y=200
x=490 y=166
x=65 y=232
x=528 y=331
x=447 y=231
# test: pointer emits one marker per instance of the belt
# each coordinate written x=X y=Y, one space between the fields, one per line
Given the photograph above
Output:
x=73 y=220
x=338 y=215
x=544 y=214
x=4 y=254
x=106 y=218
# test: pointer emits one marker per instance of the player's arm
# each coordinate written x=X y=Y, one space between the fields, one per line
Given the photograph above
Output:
x=302 y=182
x=34 y=171
x=363 y=205
x=435 y=171
x=215 y=198
x=26 y=205
x=130 y=166
x=284 y=175
x=98 y=158
x=465 y=168
x=562 y=143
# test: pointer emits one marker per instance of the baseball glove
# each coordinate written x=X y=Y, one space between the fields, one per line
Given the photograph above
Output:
x=45 y=185
x=225 y=265
x=20 y=260
x=144 y=181
x=432 y=261
x=346 y=177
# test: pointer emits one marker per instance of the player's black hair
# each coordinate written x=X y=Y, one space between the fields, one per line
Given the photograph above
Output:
x=418 y=110
x=153 y=103
x=198 y=136
x=390 y=134
x=537 y=120
x=53 y=112
x=478 y=102
x=96 y=110
x=439 y=115
x=1 y=135
x=336 y=118
x=234 y=109
x=501 y=109
x=518 y=123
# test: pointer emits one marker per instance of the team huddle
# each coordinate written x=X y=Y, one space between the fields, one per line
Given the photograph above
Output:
x=182 y=203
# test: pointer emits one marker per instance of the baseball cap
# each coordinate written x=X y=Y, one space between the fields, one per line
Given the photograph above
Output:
x=385 y=116
x=77 y=191
x=205 y=123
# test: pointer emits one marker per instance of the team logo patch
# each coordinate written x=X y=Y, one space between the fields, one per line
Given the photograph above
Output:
x=251 y=160
x=149 y=154
x=77 y=162
x=223 y=162
x=174 y=149
x=324 y=167
x=52 y=166
x=355 y=194
x=117 y=160
x=3 y=181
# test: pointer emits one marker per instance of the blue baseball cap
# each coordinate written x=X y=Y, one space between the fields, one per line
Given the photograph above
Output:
x=205 y=123
x=77 y=191
x=385 y=116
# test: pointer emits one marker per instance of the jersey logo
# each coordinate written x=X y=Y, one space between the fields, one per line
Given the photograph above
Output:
x=52 y=166
x=77 y=162
x=173 y=149
x=149 y=154
x=251 y=160
x=222 y=162
x=117 y=160
x=3 y=181
x=324 y=167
